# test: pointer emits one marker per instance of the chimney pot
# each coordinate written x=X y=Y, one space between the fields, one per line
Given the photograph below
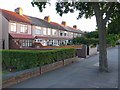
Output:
x=19 y=11
x=75 y=26
x=63 y=23
x=47 y=18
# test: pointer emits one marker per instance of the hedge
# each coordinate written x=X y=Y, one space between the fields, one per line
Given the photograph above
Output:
x=83 y=40
x=26 y=59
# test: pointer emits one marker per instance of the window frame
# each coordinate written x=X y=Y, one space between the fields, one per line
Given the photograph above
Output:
x=48 y=31
x=13 y=27
x=23 y=28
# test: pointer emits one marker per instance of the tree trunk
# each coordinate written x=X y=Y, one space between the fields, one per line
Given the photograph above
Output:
x=103 y=63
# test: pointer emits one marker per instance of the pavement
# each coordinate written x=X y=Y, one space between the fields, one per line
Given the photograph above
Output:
x=83 y=74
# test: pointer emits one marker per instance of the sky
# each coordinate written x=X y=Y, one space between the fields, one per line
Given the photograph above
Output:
x=70 y=18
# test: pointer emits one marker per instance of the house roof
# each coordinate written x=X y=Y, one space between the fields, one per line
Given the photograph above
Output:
x=40 y=22
x=9 y=15
x=58 y=26
x=66 y=28
x=22 y=36
x=72 y=29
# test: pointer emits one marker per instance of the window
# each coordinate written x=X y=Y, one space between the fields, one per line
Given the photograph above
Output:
x=71 y=33
x=54 y=32
x=38 y=27
x=65 y=33
x=13 y=27
x=76 y=34
x=79 y=35
x=41 y=40
x=49 y=31
x=61 y=34
x=38 y=31
x=44 y=31
x=23 y=28
x=27 y=43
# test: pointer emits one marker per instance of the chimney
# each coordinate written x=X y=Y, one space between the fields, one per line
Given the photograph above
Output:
x=19 y=11
x=63 y=23
x=75 y=26
x=47 y=18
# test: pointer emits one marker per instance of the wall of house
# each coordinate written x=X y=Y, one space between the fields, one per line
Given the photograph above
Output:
x=29 y=29
x=33 y=30
x=1 y=43
x=5 y=35
x=18 y=27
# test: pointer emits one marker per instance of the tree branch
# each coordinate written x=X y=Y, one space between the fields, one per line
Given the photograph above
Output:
x=107 y=7
x=108 y=13
x=96 y=8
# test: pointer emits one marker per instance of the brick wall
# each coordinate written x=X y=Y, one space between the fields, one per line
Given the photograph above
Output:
x=20 y=76
x=67 y=46
x=13 y=45
x=51 y=67
x=82 y=52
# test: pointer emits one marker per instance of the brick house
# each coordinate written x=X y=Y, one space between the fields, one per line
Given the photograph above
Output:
x=16 y=30
x=21 y=31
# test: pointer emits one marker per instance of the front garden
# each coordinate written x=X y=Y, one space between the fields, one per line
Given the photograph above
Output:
x=26 y=59
x=19 y=65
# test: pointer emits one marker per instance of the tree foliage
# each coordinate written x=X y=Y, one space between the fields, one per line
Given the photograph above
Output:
x=93 y=34
x=114 y=26
x=40 y=5
x=85 y=8
x=86 y=41
x=112 y=39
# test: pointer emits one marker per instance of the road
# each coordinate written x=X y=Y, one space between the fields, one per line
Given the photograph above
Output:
x=83 y=74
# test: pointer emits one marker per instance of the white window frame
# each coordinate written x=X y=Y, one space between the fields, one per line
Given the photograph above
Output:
x=27 y=43
x=65 y=32
x=37 y=27
x=49 y=31
x=44 y=31
x=23 y=28
x=54 y=32
x=13 y=27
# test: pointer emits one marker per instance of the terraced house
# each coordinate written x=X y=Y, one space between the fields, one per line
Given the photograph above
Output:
x=22 y=31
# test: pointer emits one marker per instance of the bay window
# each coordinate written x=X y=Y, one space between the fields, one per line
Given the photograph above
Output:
x=27 y=43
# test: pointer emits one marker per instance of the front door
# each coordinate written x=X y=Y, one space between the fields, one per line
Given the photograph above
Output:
x=3 y=44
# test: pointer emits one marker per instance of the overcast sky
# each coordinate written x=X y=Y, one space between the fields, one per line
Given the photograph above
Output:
x=70 y=18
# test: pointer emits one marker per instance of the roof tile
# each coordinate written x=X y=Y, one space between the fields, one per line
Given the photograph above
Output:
x=9 y=15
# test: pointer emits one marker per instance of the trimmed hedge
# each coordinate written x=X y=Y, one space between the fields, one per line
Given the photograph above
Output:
x=26 y=59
